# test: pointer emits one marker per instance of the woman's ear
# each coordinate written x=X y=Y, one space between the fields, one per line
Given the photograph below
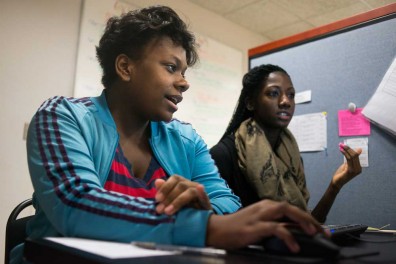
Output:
x=123 y=67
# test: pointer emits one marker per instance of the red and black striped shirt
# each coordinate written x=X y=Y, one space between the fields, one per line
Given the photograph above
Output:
x=121 y=179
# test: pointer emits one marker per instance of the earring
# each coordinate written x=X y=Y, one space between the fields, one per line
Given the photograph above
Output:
x=250 y=107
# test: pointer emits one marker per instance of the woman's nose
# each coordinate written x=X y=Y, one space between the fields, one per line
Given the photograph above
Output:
x=284 y=101
x=182 y=85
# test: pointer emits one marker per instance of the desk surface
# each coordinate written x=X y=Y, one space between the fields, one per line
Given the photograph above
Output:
x=380 y=247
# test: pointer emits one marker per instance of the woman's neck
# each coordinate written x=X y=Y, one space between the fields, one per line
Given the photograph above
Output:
x=273 y=138
x=272 y=135
x=129 y=125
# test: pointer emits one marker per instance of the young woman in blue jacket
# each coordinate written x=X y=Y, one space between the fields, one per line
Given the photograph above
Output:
x=117 y=167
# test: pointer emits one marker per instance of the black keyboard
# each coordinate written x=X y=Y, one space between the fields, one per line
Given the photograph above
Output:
x=350 y=230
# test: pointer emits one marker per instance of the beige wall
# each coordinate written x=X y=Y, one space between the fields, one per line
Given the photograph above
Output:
x=37 y=60
x=38 y=50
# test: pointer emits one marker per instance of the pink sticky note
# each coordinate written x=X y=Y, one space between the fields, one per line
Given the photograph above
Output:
x=353 y=124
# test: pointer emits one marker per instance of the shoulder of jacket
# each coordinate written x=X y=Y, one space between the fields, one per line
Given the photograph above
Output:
x=67 y=104
x=184 y=128
x=228 y=142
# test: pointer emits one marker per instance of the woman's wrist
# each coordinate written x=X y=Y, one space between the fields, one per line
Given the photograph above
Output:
x=211 y=230
x=334 y=188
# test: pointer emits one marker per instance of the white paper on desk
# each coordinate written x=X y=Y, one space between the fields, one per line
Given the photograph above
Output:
x=381 y=107
x=310 y=131
x=113 y=250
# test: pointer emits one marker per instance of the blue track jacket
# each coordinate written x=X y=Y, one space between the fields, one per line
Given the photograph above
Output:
x=71 y=144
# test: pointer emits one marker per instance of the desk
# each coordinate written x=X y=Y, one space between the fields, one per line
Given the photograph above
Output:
x=44 y=251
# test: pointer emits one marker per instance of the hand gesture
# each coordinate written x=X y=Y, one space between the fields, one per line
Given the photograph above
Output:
x=348 y=170
x=178 y=192
x=257 y=221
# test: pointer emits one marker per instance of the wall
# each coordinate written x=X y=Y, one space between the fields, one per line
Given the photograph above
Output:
x=38 y=56
x=37 y=49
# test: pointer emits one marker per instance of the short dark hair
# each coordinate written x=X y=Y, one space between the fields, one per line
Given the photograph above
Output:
x=252 y=83
x=131 y=32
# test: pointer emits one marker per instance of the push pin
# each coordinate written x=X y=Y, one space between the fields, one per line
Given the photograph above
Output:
x=352 y=107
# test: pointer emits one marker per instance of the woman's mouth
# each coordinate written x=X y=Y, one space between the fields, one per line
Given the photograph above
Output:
x=174 y=100
x=284 y=116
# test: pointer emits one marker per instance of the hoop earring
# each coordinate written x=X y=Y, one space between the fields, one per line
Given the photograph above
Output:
x=249 y=107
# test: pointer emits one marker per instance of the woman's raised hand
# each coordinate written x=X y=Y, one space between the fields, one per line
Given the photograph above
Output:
x=348 y=170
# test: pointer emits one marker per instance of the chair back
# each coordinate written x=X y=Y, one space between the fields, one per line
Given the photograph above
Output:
x=16 y=228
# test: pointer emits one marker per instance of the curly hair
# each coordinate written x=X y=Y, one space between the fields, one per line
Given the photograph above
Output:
x=131 y=32
x=252 y=83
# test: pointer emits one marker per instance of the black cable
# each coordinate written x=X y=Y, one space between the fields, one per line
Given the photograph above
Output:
x=393 y=239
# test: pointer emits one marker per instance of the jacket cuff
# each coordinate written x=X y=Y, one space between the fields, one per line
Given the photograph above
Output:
x=190 y=227
x=223 y=206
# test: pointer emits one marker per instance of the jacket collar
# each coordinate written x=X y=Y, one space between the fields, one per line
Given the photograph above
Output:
x=104 y=113
x=103 y=109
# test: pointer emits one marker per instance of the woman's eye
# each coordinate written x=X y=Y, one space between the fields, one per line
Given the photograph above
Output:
x=273 y=93
x=292 y=95
x=171 y=68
